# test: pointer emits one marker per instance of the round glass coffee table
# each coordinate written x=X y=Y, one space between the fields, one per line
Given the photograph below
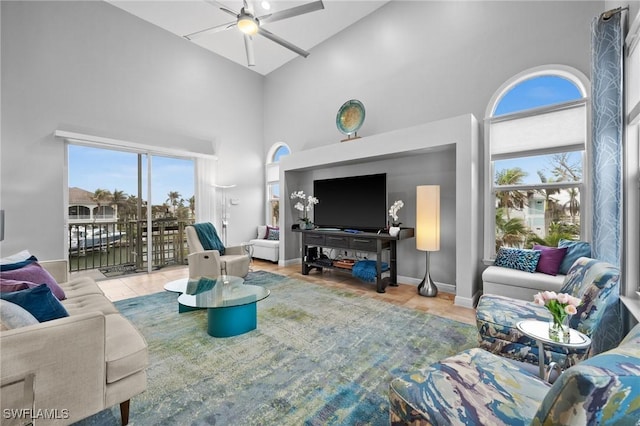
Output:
x=230 y=304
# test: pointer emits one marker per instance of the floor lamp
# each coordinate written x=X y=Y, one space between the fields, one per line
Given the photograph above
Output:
x=225 y=219
x=428 y=230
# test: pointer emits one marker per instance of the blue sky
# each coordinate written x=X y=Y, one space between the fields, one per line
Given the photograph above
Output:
x=93 y=168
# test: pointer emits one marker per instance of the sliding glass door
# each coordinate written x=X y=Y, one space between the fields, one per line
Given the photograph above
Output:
x=111 y=227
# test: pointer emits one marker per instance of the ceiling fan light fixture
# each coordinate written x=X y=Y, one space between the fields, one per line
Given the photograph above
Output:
x=248 y=25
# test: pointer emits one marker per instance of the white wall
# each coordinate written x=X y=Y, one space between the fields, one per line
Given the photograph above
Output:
x=416 y=62
x=413 y=62
x=91 y=67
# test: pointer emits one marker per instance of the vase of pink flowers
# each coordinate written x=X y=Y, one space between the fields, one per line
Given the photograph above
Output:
x=561 y=306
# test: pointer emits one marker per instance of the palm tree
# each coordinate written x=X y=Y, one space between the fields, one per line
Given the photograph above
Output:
x=510 y=199
x=101 y=197
x=509 y=232
x=192 y=205
x=573 y=204
x=173 y=199
x=118 y=199
x=557 y=231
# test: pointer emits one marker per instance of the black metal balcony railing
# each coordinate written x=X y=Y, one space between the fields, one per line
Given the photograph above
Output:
x=120 y=247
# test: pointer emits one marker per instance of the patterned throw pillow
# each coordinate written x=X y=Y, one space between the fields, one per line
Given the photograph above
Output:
x=274 y=234
x=520 y=259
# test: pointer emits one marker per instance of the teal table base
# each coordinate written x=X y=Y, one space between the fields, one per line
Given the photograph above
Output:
x=228 y=321
x=184 y=308
x=232 y=320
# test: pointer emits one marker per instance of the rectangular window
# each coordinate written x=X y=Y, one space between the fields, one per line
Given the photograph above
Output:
x=273 y=194
x=537 y=199
x=274 y=204
x=537 y=163
x=107 y=209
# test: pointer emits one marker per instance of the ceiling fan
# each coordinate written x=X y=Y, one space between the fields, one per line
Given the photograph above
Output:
x=250 y=25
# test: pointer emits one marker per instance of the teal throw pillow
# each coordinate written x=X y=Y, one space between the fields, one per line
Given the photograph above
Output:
x=18 y=265
x=38 y=301
x=575 y=250
x=520 y=259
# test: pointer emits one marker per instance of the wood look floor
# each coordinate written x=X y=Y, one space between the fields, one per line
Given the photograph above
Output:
x=403 y=295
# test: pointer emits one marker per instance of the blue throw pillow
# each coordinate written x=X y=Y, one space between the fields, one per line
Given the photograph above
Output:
x=575 y=250
x=38 y=301
x=18 y=265
x=520 y=259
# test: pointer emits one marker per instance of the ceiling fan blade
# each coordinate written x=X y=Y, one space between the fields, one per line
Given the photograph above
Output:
x=294 y=11
x=210 y=30
x=222 y=7
x=248 y=46
x=271 y=36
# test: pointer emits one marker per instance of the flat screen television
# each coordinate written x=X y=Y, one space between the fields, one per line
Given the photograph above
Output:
x=354 y=202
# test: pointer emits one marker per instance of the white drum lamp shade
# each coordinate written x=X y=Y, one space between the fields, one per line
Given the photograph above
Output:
x=428 y=217
x=428 y=231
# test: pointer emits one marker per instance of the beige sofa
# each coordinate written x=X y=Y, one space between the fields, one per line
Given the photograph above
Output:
x=71 y=368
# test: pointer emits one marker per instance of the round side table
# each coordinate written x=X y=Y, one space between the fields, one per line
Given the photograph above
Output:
x=539 y=331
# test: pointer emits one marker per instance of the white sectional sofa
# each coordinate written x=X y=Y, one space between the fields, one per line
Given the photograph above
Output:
x=264 y=248
x=518 y=284
x=81 y=364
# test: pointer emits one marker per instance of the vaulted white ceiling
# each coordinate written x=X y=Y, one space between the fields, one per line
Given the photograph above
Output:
x=182 y=17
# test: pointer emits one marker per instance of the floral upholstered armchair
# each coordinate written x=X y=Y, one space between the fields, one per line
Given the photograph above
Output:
x=594 y=281
x=476 y=387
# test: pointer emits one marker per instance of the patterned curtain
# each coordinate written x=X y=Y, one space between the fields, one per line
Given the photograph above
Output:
x=607 y=156
x=606 y=152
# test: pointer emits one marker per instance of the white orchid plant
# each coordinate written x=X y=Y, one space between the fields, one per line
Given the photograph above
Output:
x=305 y=204
x=393 y=212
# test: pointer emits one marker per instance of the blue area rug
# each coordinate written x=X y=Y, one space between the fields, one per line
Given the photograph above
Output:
x=319 y=356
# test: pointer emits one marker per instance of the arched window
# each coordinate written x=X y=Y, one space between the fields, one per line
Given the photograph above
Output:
x=535 y=144
x=276 y=152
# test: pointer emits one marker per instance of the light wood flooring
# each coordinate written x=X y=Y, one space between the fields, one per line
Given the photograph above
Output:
x=403 y=295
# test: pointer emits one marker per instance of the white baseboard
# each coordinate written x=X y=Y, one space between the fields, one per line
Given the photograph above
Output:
x=289 y=262
x=444 y=287
x=468 y=302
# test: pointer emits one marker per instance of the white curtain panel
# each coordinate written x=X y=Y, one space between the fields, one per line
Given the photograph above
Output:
x=205 y=191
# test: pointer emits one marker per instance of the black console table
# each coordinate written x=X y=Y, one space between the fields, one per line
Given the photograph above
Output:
x=314 y=240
